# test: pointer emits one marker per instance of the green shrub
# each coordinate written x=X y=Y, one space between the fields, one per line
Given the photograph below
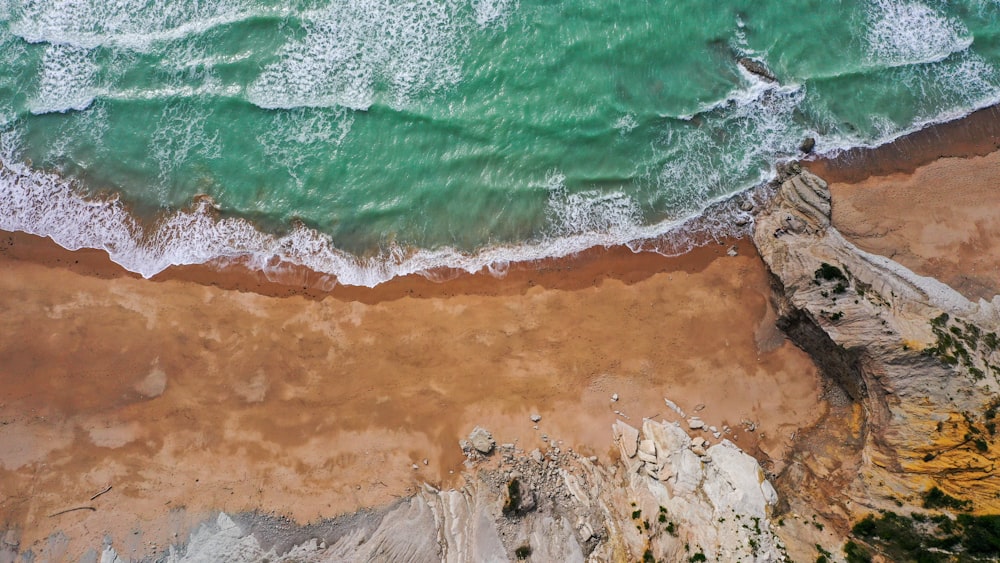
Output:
x=829 y=272
x=936 y=498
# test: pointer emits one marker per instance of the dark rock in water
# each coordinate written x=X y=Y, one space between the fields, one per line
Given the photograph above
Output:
x=757 y=67
x=808 y=144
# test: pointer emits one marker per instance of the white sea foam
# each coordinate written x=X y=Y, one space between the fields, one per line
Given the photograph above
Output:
x=67 y=80
x=591 y=211
x=903 y=32
x=294 y=137
x=626 y=124
x=352 y=47
x=129 y=24
x=747 y=130
x=490 y=12
x=180 y=134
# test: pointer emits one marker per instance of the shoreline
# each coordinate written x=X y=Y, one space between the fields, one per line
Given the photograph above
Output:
x=976 y=134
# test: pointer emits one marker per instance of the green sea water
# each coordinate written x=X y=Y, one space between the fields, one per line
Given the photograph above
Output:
x=369 y=138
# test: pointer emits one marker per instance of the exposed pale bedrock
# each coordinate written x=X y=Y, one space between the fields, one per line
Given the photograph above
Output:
x=670 y=497
x=918 y=361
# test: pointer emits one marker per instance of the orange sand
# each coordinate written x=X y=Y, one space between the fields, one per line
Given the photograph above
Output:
x=940 y=221
x=186 y=397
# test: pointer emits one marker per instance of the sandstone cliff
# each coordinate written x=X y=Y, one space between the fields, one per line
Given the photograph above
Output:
x=919 y=365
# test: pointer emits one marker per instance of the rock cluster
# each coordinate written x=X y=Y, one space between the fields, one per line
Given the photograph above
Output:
x=669 y=498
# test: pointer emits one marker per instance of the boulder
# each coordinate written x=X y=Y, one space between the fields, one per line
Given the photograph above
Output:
x=628 y=438
x=482 y=440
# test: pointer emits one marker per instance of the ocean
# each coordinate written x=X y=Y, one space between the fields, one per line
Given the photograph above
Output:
x=374 y=138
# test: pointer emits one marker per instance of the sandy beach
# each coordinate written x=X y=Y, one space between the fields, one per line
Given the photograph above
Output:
x=205 y=390
x=187 y=398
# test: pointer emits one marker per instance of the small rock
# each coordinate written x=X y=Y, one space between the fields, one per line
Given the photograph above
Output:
x=536 y=417
x=536 y=455
x=695 y=424
x=698 y=450
x=713 y=429
x=482 y=440
x=717 y=435
x=415 y=467
x=807 y=146
x=647 y=451
x=614 y=397
x=673 y=406
x=758 y=68
x=535 y=427
x=527 y=502
x=699 y=441
x=746 y=205
x=733 y=250
x=699 y=407
x=545 y=437
x=592 y=459
x=426 y=461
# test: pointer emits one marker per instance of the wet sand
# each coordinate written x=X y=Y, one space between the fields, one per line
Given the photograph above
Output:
x=186 y=397
x=940 y=221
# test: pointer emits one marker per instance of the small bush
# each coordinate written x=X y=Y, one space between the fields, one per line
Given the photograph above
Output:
x=936 y=498
x=856 y=554
x=829 y=272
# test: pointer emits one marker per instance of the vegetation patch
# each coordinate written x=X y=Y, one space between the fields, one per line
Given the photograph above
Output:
x=936 y=498
x=925 y=539
x=829 y=272
x=955 y=339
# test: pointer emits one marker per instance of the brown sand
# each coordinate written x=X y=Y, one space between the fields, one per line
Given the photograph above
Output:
x=186 y=397
x=976 y=134
x=940 y=221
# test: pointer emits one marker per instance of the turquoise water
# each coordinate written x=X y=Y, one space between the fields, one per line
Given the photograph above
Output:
x=370 y=138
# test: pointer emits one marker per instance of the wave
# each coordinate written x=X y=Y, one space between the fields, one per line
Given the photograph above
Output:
x=135 y=25
x=911 y=33
x=352 y=46
x=46 y=204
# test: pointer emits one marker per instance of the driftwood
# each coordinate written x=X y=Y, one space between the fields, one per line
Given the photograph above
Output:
x=90 y=508
x=101 y=493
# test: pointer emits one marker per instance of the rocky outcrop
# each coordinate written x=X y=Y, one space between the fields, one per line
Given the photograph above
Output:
x=669 y=498
x=921 y=362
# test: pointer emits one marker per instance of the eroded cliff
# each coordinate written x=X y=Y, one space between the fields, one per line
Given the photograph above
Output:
x=915 y=362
